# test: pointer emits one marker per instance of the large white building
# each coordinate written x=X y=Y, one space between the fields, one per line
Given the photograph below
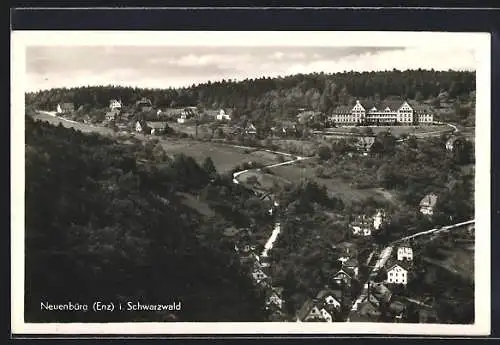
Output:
x=397 y=275
x=387 y=112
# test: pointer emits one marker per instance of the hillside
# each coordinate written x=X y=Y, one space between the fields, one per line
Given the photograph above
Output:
x=103 y=225
x=271 y=98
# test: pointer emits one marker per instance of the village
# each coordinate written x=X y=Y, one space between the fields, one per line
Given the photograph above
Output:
x=368 y=290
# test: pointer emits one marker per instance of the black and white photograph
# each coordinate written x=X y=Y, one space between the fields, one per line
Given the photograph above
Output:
x=250 y=182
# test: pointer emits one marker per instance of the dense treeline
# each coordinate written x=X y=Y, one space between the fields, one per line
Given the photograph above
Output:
x=277 y=96
x=104 y=222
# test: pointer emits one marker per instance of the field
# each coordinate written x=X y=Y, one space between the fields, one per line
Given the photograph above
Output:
x=72 y=124
x=225 y=157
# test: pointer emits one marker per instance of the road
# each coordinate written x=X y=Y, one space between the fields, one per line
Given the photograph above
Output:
x=387 y=251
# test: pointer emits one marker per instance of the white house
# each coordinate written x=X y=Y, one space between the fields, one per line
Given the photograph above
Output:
x=222 y=115
x=115 y=104
x=326 y=315
x=397 y=275
x=405 y=253
x=428 y=204
x=258 y=275
x=138 y=127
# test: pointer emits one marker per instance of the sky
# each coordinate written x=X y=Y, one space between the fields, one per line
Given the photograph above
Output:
x=178 y=66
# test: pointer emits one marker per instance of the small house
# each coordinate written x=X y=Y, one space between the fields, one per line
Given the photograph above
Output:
x=330 y=299
x=326 y=315
x=397 y=274
x=65 y=108
x=141 y=126
x=222 y=115
x=258 y=275
x=351 y=267
x=428 y=203
x=115 y=104
x=362 y=226
x=144 y=104
x=309 y=312
x=273 y=298
x=342 y=278
x=250 y=129
x=450 y=143
x=405 y=253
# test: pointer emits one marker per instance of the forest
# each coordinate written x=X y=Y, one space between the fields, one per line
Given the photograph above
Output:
x=104 y=222
x=278 y=97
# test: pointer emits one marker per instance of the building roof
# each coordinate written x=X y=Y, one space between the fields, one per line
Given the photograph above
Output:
x=392 y=264
x=305 y=309
x=67 y=106
x=329 y=292
x=157 y=124
x=342 y=110
x=429 y=200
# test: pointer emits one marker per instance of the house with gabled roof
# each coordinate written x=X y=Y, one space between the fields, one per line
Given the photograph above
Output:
x=389 y=111
x=309 y=312
x=115 y=104
x=65 y=108
x=397 y=274
x=330 y=299
x=274 y=297
x=342 y=277
x=258 y=275
x=428 y=204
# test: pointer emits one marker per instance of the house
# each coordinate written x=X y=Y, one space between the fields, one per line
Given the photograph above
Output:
x=341 y=277
x=397 y=274
x=330 y=299
x=141 y=126
x=309 y=312
x=144 y=104
x=361 y=226
x=367 y=310
x=385 y=112
x=273 y=298
x=326 y=315
x=258 y=275
x=405 y=253
x=250 y=129
x=65 y=108
x=222 y=115
x=350 y=266
x=379 y=219
x=452 y=142
x=157 y=126
x=428 y=203
x=187 y=114
x=115 y=104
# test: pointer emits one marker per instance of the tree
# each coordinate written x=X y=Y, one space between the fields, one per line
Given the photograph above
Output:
x=209 y=167
x=324 y=153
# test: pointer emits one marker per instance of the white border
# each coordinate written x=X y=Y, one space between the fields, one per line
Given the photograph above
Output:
x=480 y=42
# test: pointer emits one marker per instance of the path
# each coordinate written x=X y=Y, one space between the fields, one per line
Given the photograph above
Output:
x=386 y=253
